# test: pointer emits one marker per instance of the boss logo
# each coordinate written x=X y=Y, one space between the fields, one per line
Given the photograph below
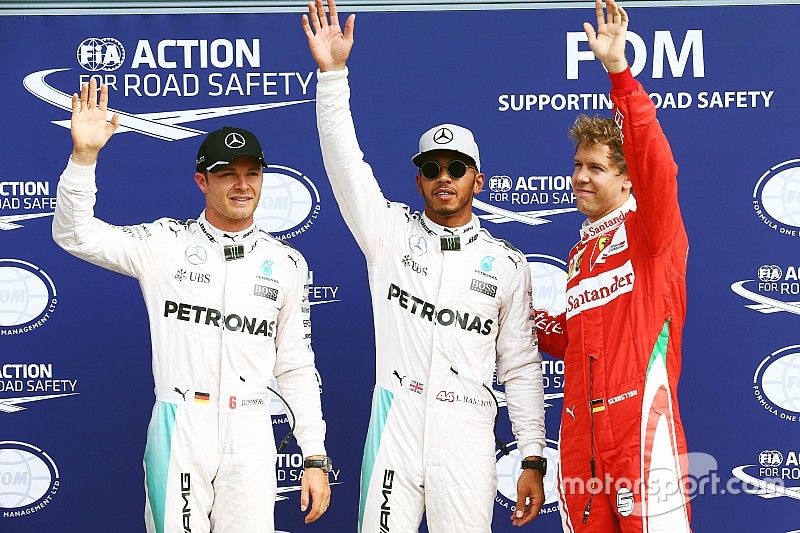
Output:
x=483 y=287
x=266 y=292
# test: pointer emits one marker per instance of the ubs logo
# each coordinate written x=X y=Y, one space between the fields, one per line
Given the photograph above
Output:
x=196 y=277
x=408 y=262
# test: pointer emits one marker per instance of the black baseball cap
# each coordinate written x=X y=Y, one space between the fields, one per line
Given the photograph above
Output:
x=222 y=146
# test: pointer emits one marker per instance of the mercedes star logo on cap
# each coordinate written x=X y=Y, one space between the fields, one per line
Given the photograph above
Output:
x=234 y=140
x=442 y=136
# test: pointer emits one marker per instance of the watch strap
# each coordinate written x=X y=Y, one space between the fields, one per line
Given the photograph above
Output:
x=536 y=464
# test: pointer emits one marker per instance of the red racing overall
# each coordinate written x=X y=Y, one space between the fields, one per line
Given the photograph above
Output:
x=620 y=338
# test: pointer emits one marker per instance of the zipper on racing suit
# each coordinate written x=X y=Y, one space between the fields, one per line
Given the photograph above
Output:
x=591 y=440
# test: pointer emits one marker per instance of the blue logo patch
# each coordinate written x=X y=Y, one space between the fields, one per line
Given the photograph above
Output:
x=486 y=263
x=266 y=268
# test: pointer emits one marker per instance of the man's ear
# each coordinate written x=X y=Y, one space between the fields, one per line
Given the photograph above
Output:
x=480 y=179
x=626 y=185
x=200 y=180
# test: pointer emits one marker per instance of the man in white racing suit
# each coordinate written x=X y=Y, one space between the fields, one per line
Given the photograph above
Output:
x=450 y=302
x=228 y=311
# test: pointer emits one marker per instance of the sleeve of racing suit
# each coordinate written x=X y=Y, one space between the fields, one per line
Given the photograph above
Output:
x=651 y=167
x=551 y=332
x=519 y=366
x=294 y=364
x=363 y=206
x=125 y=249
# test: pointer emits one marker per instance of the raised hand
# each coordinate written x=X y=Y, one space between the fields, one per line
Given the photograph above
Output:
x=608 y=44
x=329 y=47
x=90 y=128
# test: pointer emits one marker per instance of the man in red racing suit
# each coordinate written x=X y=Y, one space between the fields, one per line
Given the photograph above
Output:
x=623 y=452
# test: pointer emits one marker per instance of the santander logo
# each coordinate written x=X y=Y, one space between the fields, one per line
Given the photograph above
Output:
x=601 y=289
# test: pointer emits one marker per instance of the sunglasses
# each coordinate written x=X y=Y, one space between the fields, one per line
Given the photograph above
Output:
x=455 y=168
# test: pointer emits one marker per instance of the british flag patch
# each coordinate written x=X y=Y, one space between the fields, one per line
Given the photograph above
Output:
x=415 y=386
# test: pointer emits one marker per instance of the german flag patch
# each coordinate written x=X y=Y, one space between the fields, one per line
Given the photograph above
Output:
x=201 y=397
x=597 y=405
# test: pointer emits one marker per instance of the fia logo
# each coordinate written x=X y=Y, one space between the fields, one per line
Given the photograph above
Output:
x=773 y=477
x=772 y=281
x=500 y=183
x=105 y=54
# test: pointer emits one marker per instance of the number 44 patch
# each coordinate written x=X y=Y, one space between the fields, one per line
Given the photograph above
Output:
x=446 y=396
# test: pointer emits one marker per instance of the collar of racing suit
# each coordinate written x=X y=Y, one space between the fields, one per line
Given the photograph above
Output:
x=613 y=220
x=231 y=245
x=450 y=239
x=225 y=237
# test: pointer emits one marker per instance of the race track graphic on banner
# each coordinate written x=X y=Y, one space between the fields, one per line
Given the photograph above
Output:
x=76 y=384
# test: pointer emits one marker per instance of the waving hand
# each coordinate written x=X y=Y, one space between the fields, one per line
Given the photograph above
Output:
x=90 y=128
x=329 y=46
x=608 y=44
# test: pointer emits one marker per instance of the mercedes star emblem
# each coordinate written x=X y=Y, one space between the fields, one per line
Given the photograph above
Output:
x=234 y=140
x=442 y=136
x=196 y=255
x=418 y=245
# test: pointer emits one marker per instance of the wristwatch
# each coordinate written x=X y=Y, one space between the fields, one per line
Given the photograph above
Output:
x=325 y=464
x=536 y=464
